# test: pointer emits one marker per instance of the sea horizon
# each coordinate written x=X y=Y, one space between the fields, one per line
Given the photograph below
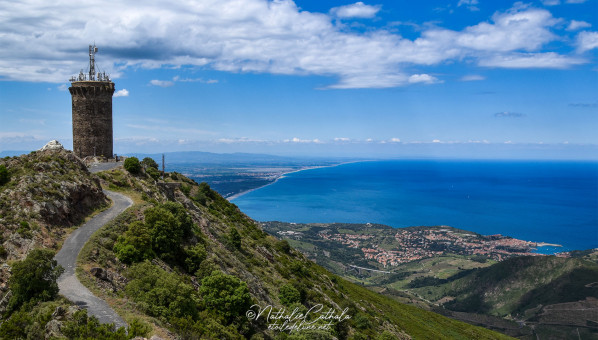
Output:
x=550 y=193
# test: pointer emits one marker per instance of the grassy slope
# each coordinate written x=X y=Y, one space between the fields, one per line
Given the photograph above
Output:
x=518 y=284
x=265 y=267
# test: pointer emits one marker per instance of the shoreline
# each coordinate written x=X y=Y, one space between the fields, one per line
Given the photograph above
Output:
x=235 y=196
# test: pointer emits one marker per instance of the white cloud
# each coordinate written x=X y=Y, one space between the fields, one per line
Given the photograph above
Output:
x=423 y=78
x=532 y=60
x=121 y=93
x=395 y=140
x=298 y=140
x=471 y=4
x=161 y=83
x=551 y=2
x=574 y=25
x=341 y=139
x=63 y=87
x=472 y=77
x=356 y=10
x=587 y=41
x=252 y=36
x=518 y=29
x=508 y=114
x=576 y=1
x=241 y=140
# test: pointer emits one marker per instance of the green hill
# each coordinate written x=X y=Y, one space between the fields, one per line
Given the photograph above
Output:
x=183 y=262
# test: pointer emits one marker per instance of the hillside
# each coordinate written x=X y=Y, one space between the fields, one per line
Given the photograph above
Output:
x=432 y=267
x=556 y=296
x=184 y=262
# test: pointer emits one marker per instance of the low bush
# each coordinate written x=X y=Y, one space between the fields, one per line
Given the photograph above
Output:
x=132 y=165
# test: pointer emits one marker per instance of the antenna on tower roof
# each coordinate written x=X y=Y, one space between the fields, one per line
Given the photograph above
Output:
x=92 y=61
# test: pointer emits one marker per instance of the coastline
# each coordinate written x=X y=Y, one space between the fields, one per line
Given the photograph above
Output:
x=235 y=196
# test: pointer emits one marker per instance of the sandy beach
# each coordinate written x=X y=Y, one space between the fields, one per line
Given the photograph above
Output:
x=282 y=175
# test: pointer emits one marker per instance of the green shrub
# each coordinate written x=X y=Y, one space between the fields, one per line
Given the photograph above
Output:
x=226 y=295
x=195 y=256
x=135 y=245
x=234 y=238
x=138 y=328
x=186 y=189
x=4 y=175
x=361 y=321
x=132 y=165
x=88 y=327
x=284 y=246
x=148 y=163
x=165 y=232
x=24 y=230
x=34 y=278
x=153 y=173
x=160 y=293
x=16 y=326
x=288 y=295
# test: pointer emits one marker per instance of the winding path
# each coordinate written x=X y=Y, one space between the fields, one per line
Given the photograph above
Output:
x=68 y=283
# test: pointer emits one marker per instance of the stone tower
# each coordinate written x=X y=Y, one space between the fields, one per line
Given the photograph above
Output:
x=92 y=111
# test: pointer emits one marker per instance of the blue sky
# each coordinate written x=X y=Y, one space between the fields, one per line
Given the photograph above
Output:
x=463 y=78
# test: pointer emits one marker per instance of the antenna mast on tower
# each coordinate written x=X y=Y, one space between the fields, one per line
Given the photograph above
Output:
x=92 y=61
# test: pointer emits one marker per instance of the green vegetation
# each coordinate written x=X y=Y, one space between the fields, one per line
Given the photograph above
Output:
x=234 y=238
x=289 y=295
x=135 y=245
x=522 y=283
x=162 y=233
x=160 y=293
x=34 y=278
x=149 y=162
x=132 y=165
x=226 y=296
x=33 y=319
x=4 y=175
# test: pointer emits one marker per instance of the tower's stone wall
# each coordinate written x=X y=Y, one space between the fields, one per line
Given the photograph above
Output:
x=92 y=118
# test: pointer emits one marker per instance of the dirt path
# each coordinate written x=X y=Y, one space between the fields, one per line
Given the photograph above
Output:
x=68 y=283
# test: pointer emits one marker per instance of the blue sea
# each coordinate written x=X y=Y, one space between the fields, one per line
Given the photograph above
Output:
x=553 y=202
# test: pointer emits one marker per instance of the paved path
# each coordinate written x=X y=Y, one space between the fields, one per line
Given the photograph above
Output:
x=97 y=167
x=68 y=283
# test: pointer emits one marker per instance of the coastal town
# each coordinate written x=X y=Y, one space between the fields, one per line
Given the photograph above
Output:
x=392 y=247
x=415 y=245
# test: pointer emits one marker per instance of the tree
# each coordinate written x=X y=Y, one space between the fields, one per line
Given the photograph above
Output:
x=225 y=294
x=4 y=175
x=148 y=162
x=132 y=165
x=166 y=232
x=34 y=278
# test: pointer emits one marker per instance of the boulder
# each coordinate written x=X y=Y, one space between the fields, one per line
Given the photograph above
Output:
x=52 y=145
x=100 y=273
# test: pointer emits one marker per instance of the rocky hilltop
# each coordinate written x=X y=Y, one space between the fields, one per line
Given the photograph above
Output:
x=49 y=191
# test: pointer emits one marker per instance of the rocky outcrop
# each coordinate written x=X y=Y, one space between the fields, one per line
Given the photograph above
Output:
x=49 y=190
x=52 y=145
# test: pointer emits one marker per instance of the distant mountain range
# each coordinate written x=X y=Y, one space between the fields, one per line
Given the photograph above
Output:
x=234 y=158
